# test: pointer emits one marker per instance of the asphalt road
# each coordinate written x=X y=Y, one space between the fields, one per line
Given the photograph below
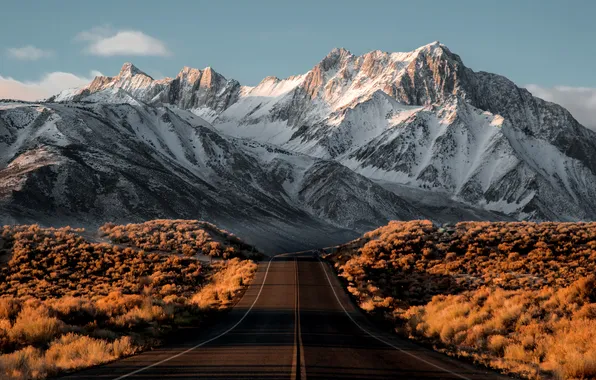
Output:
x=294 y=322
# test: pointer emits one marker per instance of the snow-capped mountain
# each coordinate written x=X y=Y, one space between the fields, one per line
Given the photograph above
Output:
x=416 y=121
x=88 y=163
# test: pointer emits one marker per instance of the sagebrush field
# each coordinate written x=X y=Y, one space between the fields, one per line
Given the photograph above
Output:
x=67 y=302
x=519 y=297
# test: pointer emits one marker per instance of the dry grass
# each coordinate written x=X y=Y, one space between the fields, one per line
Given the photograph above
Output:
x=67 y=303
x=49 y=263
x=229 y=279
x=186 y=237
x=519 y=297
x=69 y=352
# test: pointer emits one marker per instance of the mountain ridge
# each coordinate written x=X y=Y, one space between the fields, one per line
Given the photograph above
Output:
x=347 y=102
x=385 y=135
x=88 y=163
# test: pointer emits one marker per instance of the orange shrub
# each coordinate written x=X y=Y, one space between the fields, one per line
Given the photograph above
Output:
x=517 y=296
x=68 y=303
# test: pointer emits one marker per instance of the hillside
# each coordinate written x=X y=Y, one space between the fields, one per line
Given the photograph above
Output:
x=67 y=302
x=182 y=237
x=519 y=297
x=85 y=164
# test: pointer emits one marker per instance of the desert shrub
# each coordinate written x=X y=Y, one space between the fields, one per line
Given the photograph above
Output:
x=225 y=283
x=517 y=296
x=34 y=325
x=185 y=237
x=27 y=363
x=9 y=308
x=73 y=351
x=68 y=303
x=69 y=352
x=60 y=262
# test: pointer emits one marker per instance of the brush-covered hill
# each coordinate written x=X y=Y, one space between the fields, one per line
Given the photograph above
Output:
x=71 y=298
x=519 y=297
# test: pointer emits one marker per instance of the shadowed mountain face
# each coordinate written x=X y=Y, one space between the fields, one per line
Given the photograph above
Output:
x=91 y=163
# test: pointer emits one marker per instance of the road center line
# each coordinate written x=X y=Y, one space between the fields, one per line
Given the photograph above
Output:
x=301 y=364
x=380 y=339
x=295 y=355
x=207 y=341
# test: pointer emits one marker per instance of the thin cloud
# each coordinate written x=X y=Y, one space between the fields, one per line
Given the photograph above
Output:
x=580 y=101
x=50 y=84
x=95 y=33
x=106 y=42
x=29 y=53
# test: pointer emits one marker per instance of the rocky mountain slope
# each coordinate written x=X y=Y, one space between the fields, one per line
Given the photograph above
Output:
x=305 y=161
x=416 y=120
x=88 y=163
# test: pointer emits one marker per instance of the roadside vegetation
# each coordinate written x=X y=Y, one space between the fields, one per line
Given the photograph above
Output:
x=185 y=237
x=68 y=303
x=519 y=297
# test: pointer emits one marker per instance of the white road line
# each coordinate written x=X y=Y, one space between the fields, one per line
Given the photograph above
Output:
x=207 y=341
x=380 y=339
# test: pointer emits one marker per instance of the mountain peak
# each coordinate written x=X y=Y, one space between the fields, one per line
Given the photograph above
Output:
x=434 y=48
x=433 y=45
x=270 y=79
x=189 y=72
x=339 y=51
x=187 y=69
x=130 y=70
x=437 y=50
x=333 y=58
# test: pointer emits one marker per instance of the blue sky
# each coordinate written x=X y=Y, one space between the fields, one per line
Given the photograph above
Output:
x=546 y=43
